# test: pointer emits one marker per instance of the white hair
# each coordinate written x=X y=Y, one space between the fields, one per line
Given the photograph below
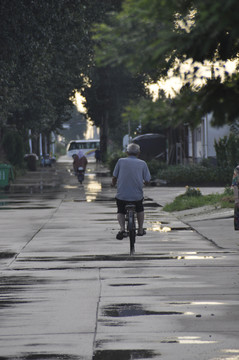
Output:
x=133 y=149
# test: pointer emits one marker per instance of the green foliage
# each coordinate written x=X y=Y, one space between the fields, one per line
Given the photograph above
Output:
x=156 y=36
x=206 y=162
x=152 y=34
x=184 y=202
x=196 y=175
x=131 y=37
x=113 y=158
x=191 y=191
x=153 y=116
x=77 y=126
x=110 y=90
x=227 y=151
x=154 y=166
x=46 y=54
x=60 y=149
x=13 y=146
x=228 y=191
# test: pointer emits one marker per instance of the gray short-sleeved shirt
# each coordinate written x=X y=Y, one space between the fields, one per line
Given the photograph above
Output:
x=131 y=173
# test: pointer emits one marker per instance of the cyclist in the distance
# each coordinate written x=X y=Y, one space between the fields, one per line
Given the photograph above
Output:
x=79 y=160
x=130 y=174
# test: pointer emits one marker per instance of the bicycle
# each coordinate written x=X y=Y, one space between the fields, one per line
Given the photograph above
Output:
x=131 y=228
x=81 y=174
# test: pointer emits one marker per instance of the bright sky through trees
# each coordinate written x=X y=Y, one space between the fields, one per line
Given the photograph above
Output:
x=172 y=84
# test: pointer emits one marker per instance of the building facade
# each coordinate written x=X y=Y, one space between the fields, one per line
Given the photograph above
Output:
x=202 y=139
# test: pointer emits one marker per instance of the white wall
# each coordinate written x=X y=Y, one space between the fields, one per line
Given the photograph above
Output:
x=216 y=134
x=204 y=138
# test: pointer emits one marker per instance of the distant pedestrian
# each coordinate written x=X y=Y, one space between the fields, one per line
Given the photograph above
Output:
x=235 y=185
x=97 y=156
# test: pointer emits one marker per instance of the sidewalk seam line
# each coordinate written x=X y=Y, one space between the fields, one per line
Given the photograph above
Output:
x=33 y=236
x=97 y=311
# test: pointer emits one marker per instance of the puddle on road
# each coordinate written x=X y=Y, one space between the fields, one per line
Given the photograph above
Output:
x=92 y=189
x=22 y=204
x=45 y=356
x=27 y=207
x=68 y=187
x=13 y=287
x=159 y=228
x=7 y=255
x=123 y=354
x=195 y=257
x=129 y=285
x=188 y=340
x=118 y=257
x=128 y=310
x=11 y=202
x=151 y=204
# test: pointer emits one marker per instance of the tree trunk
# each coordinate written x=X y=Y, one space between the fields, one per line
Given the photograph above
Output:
x=104 y=135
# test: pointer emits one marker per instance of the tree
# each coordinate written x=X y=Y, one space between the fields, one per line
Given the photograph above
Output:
x=111 y=88
x=46 y=53
x=155 y=36
x=77 y=126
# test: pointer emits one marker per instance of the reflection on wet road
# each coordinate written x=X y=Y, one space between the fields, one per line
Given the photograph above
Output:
x=69 y=290
x=92 y=187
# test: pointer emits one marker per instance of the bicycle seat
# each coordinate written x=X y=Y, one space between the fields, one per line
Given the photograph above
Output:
x=130 y=207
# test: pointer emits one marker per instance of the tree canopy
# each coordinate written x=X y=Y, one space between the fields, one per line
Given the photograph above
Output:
x=46 y=53
x=110 y=90
x=156 y=36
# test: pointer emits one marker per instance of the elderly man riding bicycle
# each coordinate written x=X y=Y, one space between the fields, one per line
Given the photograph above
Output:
x=130 y=174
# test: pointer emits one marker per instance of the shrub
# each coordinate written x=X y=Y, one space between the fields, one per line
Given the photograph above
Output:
x=154 y=167
x=193 y=198
x=13 y=146
x=190 y=191
x=196 y=175
x=227 y=150
x=60 y=149
x=113 y=158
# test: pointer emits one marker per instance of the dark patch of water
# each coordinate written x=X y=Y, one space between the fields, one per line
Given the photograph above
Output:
x=43 y=357
x=120 y=257
x=26 y=207
x=7 y=255
x=13 y=287
x=123 y=354
x=186 y=228
x=129 y=285
x=151 y=204
x=127 y=310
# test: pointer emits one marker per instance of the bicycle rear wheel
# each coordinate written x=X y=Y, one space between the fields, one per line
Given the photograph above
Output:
x=81 y=177
x=132 y=241
x=132 y=233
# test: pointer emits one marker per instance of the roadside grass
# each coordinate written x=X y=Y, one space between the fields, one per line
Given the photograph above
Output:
x=186 y=201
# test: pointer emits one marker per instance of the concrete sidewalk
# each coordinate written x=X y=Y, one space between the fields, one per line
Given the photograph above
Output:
x=213 y=223
x=70 y=290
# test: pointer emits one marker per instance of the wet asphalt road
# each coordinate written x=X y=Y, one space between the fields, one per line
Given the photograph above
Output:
x=69 y=290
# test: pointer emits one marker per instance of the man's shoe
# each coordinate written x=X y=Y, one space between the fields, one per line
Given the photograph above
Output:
x=141 y=234
x=121 y=235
